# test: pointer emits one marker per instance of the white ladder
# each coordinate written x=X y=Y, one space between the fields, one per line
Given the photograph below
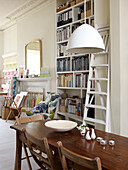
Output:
x=91 y=93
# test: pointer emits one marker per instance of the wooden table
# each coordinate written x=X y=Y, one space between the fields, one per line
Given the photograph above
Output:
x=114 y=158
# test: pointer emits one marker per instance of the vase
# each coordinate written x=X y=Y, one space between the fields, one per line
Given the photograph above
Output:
x=88 y=135
x=93 y=135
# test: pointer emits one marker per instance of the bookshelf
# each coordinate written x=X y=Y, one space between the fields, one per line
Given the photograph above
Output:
x=72 y=69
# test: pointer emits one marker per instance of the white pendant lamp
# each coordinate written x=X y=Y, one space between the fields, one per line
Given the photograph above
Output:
x=85 y=39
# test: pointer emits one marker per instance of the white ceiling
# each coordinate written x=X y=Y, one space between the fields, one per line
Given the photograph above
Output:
x=10 y=10
x=7 y=6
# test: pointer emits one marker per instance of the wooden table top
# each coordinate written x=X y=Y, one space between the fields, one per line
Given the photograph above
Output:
x=114 y=158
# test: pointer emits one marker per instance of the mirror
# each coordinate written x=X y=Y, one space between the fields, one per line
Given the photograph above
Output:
x=33 y=57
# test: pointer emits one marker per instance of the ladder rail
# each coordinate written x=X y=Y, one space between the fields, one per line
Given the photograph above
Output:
x=104 y=101
x=88 y=89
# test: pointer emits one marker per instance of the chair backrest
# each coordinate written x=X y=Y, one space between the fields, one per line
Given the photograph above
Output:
x=77 y=162
x=30 y=118
x=40 y=151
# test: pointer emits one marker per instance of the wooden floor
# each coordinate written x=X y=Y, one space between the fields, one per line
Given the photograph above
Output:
x=7 y=148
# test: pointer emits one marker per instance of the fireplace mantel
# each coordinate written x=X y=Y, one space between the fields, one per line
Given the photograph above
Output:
x=36 y=83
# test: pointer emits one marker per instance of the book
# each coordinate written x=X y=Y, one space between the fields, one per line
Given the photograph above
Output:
x=17 y=101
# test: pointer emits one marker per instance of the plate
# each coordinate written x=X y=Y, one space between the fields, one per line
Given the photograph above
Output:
x=61 y=125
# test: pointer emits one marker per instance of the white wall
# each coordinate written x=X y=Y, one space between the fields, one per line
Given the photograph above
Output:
x=10 y=40
x=115 y=65
x=119 y=66
x=40 y=25
x=101 y=14
x=124 y=67
x=1 y=51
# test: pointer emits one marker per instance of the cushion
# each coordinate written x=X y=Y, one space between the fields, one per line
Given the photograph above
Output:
x=40 y=108
x=48 y=106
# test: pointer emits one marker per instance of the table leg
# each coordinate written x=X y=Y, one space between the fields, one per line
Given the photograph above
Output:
x=18 y=152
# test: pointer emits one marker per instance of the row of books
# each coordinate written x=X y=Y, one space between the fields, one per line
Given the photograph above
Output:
x=80 y=63
x=63 y=64
x=81 y=80
x=75 y=106
x=61 y=50
x=63 y=34
x=33 y=99
x=84 y=78
x=65 y=80
x=64 y=18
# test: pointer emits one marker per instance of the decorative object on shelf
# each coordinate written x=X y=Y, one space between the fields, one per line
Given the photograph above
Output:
x=88 y=135
x=21 y=71
x=93 y=135
x=62 y=7
x=27 y=74
x=44 y=72
x=72 y=3
x=78 y=1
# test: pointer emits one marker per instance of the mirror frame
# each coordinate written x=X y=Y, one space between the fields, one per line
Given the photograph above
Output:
x=40 y=43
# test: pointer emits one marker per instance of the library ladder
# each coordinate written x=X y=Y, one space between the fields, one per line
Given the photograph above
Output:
x=97 y=98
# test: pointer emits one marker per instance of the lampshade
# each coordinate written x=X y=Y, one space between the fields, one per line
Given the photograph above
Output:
x=85 y=39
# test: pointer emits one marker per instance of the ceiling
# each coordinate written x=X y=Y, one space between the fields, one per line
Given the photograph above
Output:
x=11 y=10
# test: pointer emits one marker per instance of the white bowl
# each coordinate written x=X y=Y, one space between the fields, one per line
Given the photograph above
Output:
x=61 y=125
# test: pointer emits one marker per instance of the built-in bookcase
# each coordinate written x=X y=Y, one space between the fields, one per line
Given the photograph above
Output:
x=72 y=69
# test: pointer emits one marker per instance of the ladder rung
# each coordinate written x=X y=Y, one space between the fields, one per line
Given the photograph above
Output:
x=99 y=65
x=96 y=106
x=101 y=53
x=98 y=79
x=95 y=120
x=96 y=92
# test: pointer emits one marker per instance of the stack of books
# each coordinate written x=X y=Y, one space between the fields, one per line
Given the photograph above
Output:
x=44 y=73
x=65 y=80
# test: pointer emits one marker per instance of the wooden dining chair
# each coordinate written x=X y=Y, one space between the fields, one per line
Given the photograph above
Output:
x=28 y=119
x=45 y=160
x=77 y=162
